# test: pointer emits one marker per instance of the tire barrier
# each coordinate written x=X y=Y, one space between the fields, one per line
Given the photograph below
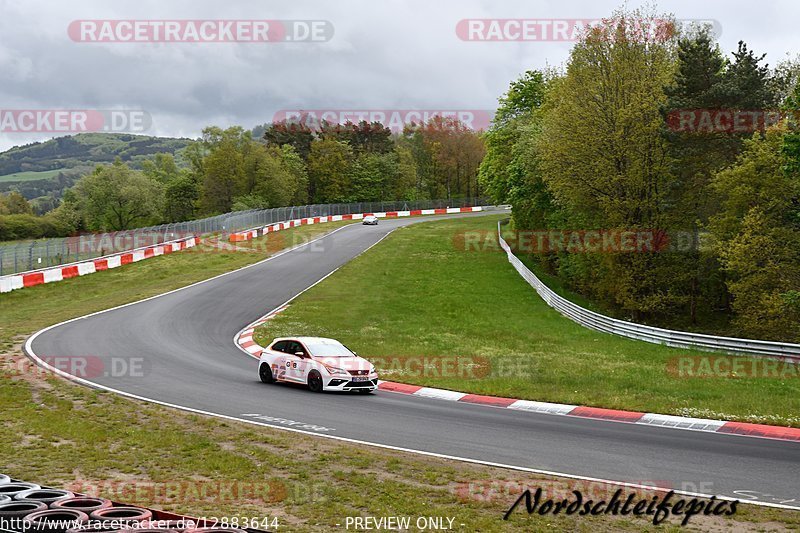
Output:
x=47 y=496
x=678 y=339
x=27 y=507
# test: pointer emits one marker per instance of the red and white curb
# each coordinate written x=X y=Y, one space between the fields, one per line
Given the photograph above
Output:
x=38 y=277
x=614 y=415
x=271 y=228
x=244 y=340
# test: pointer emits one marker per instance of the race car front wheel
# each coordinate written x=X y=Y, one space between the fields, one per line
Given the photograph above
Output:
x=315 y=381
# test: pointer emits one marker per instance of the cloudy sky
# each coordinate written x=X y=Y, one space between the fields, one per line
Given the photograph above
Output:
x=383 y=55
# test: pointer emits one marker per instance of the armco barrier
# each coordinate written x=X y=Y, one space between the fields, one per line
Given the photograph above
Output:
x=271 y=228
x=679 y=339
x=30 y=279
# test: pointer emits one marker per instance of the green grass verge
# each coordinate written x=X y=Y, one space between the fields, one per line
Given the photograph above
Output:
x=30 y=175
x=419 y=294
x=66 y=435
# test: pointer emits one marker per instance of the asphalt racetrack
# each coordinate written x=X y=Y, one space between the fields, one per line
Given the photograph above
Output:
x=186 y=340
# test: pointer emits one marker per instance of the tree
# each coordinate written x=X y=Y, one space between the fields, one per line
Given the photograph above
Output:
x=603 y=158
x=296 y=133
x=515 y=111
x=181 y=196
x=757 y=235
x=695 y=156
x=371 y=176
x=223 y=168
x=328 y=171
x=161 y=168
x=14 y=203
x=114 y=197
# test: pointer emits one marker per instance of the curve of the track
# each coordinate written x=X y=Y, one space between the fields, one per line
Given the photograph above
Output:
x=185 y=338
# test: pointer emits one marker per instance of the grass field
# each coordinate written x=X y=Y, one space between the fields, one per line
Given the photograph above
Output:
x=61 y=434
x=418 y=294
x=30 y=176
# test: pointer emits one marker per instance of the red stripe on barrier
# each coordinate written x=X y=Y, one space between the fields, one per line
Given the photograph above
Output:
x=440 y=211
x=760 y=430
x=125 y=259
x=101 y=264
x=29 y=280
x=149 y=252
x=415 y=212
x=466 y=209
x=487 y=400
x=399 y=387
x=69 y=272
x=606 y=414
x=347 y=217
x=316 y=220
x=391 y=214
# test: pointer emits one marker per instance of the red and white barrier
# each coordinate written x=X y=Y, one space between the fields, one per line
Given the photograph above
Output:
x=59 y=273
x=278 y=226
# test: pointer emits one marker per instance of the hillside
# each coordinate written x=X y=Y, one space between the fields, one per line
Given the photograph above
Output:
x=45 y=169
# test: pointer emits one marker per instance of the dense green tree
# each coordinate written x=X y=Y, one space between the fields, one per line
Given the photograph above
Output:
x=329 y=170
x=223 y=168
x=14 y=203
x=114 y=197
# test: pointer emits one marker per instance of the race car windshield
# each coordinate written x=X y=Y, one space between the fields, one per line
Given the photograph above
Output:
x=329 y=350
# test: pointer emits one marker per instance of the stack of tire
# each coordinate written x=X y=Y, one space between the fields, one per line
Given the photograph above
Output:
x=26 y=507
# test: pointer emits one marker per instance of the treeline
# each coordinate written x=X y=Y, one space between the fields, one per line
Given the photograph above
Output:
x=294 y=163
x=597 y=146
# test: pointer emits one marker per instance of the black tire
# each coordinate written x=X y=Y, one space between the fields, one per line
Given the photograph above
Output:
x=83 y=504
x=315 y=381
x=12 y=489
x=20 y=509
x=265 y=373
x=54 y=520
x=47 y=496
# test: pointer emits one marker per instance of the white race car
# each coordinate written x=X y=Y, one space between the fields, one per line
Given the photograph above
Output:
x=370 y=220
x=322 y=364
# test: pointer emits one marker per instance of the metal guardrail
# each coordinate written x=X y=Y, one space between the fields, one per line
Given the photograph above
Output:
x=22 y=257
x=678 y=339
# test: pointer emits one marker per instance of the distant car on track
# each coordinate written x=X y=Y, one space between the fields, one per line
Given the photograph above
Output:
x=322 y=364
x=370 y=220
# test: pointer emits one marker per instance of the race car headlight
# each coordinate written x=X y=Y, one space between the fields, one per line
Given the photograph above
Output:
x=332 y=370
